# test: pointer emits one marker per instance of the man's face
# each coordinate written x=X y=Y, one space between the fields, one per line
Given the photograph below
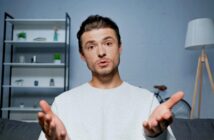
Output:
x=101 y=51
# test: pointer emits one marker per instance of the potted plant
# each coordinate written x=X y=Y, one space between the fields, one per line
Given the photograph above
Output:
x=57 y=58
x=22 y=36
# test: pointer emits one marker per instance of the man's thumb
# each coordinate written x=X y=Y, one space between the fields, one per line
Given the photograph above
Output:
x=45 y=106
x=174 y=99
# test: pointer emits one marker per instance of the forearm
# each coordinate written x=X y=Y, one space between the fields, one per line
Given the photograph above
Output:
x=162 y=136
x=42 y=137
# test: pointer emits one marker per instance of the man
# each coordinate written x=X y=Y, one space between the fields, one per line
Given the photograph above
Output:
x=105 y=108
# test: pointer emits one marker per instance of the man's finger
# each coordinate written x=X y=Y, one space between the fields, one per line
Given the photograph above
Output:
x=148 y=131
x=41 y=117
x=45 y=107
x=62 y=135
x=174 y=99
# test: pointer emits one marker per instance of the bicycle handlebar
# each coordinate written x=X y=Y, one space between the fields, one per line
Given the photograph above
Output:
x=160 y=87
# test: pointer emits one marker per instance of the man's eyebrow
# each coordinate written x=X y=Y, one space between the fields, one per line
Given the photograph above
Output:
x=108 y=37
x=92 y=41
x=89 y=42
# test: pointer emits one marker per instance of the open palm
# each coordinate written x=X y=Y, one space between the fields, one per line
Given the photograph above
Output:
x=162 y=116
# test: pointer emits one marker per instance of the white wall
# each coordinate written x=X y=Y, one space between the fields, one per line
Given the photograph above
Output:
x=153 y=36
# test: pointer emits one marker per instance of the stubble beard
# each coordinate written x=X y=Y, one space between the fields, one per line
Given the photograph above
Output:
x=106 y=73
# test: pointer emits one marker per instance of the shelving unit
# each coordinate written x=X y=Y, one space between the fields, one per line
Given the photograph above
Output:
x=34 y=64
x=31 y=109
x=35 y=76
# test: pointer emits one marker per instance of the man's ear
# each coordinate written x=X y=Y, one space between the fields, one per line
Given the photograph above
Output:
x=82 y=56
x=120 y=49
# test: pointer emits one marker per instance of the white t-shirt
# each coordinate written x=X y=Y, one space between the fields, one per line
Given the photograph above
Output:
x=90 y=113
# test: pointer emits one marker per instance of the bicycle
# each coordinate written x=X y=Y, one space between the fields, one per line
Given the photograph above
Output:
x=181 y=110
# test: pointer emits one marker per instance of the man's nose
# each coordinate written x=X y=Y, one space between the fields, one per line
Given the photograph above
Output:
x=101 y=51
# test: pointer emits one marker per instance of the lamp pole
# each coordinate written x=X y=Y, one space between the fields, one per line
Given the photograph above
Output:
x=199 y=78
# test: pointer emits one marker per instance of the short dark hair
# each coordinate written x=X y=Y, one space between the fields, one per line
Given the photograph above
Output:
x=97 y=22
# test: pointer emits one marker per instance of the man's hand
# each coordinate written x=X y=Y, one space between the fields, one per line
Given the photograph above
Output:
x=51 y=125
x=162 y=116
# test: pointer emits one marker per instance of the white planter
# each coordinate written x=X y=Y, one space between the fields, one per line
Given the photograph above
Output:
x=57 y=61
x=21 y=39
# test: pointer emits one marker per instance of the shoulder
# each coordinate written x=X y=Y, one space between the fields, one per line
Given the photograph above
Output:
x=140 y=96
x=73 y=92
x=137 y=90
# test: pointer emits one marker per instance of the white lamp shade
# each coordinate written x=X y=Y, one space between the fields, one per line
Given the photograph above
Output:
x=200 y=33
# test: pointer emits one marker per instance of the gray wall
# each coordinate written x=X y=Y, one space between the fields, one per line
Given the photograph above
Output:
x=153 y=36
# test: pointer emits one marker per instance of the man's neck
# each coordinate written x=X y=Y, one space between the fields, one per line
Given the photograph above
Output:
x=107 y=81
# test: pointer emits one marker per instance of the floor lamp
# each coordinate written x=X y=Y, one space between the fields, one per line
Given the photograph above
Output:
x=200 y=35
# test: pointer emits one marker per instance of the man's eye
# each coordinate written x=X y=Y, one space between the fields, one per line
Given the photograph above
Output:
x=108 y=43
x=90 y=47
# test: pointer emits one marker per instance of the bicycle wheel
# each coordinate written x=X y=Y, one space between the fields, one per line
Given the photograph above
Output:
x=181 y=110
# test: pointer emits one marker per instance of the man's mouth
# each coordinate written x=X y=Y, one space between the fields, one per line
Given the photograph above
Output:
x=103 y=63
